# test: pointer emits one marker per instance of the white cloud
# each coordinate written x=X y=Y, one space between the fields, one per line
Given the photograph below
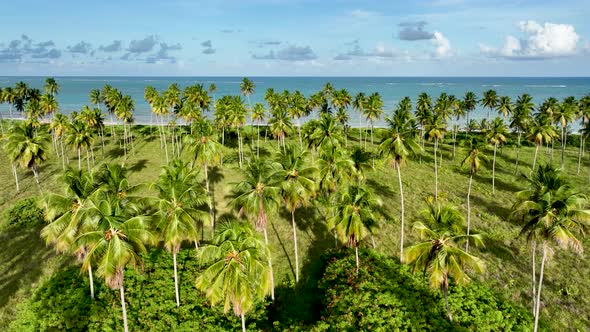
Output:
x=363 y=14
x=539 y=41
x=443 y=46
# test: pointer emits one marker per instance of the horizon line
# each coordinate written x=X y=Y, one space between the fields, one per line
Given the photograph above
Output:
x=294 y=76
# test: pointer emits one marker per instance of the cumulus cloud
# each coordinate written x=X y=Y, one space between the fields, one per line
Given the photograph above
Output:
x=363 y=14
x=381 y=50
x=163 y=55
x=81 y=48
x=26 y=48
x=412 y=31
x=142 y=45
x=538 y=42
x=265 y=43
x=207 y=43
x=289 y=53
x=442 y=45
x=115 y=46
x=208 y=47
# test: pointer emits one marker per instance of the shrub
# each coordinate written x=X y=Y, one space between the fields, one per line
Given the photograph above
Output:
x=25 y=212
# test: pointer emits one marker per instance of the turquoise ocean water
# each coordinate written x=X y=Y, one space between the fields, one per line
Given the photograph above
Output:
x=74 y=90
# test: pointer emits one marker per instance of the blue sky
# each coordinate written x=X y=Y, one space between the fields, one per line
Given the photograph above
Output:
x=296 y=37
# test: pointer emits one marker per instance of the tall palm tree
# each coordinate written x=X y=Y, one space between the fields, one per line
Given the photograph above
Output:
x=280 y=125
x=352 y=217
x=60 y=125
x=489 y=100
x=373 y=111
x=257 y=196
x=552 y=211
x=540 y=131
x=435 y=130
x=178 y=216
x=474 y=160
x=297 y=181
x=205 y=150
x=398 y=145
x=469 y=104
x=237 y=274
x=80 y=137
x=26 y=147
x=258 y=115
x=247 y=88
x=496 y=135
x=423 y=115
x=563 y=115
x=237 y=118
x=504 y=106
x=95 y=98
x=440 y=255
x=358 y=104
x=116 y=235
x=521 y=118
x=65 y=214
x=584 y=115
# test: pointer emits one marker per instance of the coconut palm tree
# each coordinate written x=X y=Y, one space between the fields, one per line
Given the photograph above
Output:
x=489 y=100
x=237 y=274
x=373 y=111
x=435 y=130
x=474 y=160
x=540 y=131
x=521 y=118
x=469 y=104
x=563 y=115
x=80 y=137
x=65 y=214
x=51 y=86
x=496 y=135
x=504 y=106
x=298 y=187
x=247 y=88
x=26 y=147
x=205 y=150
x=95 y=98
x=178 y=218
x=60 y=125
x=258 y=115
x=352 y=216
x=423 y=114
x=280 y=125
x=358 y=104
x=237 y=118
x=116 y=235
x=335 y=169
x=324 y=133
x=257 y=196
x=440 y=255
x=399 y=145
x=584 y=115
x=552 y=211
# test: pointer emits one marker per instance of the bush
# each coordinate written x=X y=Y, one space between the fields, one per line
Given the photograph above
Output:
x=25 y=212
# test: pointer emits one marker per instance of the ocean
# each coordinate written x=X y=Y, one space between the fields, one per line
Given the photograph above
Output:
x=74 y=91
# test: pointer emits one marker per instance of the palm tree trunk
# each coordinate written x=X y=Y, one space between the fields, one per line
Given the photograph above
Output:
x=272 y=275
x=401 y=199
x=580 y=154
x=299 y=130
x=164 y=139
x=562 y=147
x=360 y=129
x=176 y=279
x=88 y=160
x=15 y=173
x=125 y=140
x=295 y=243
x=258 y=139
x=494 y=170
x=131 y=139
x=243 y=323
x=468 y=209
x=421 y=141
x=356 y=256
x=517 y=153
x=211 y=208
x=239 y=148
x=445 y=293
x=435 y=170
x=79 y=159
x=372 y=147
x=535 y=157
x=455 y=138
x=538 y=304
x=533 y=256
x=91 y=279
x=122 y=291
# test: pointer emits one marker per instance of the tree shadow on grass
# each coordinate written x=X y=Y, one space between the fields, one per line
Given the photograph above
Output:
x=499 y=249
x=500 y=184
x=115 y=152
x=491 y=207
x=380 y=188
x=138 y=166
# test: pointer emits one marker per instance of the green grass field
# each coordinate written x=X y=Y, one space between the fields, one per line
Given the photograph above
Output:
x=25 y=261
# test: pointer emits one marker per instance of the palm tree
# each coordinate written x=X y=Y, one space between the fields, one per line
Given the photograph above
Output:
x=439 y=255
x=336 y=168
x=178 y=217
x=237 y=118
x=473 y=160
x=95 y=98
x=26 y=147
x=247 y=88
x=563 y=115
x=540 y=131
x=324 y=133
x=489 y=100
x=504 y=106
x=116 y=235
x=258 y=114
x=521 y=117
x=373 y=111
x=435 y=130
x=237 y=274
x=51 y=86
x=80 y=137
x=352 y=217
x=257 y=196
x=551 y=210
x=358 y=104
x=423 y=114
x=205 y=150
x=469 y=103
x=297 y=181
x=398 y=145
x=496 y=135
x=60 y=125
x=65 y=213
x=584 y=115
x=280 y=125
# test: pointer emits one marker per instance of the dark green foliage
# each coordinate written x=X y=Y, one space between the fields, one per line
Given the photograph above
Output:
x=64 y=303
x=25 y=212
x=386 y=296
